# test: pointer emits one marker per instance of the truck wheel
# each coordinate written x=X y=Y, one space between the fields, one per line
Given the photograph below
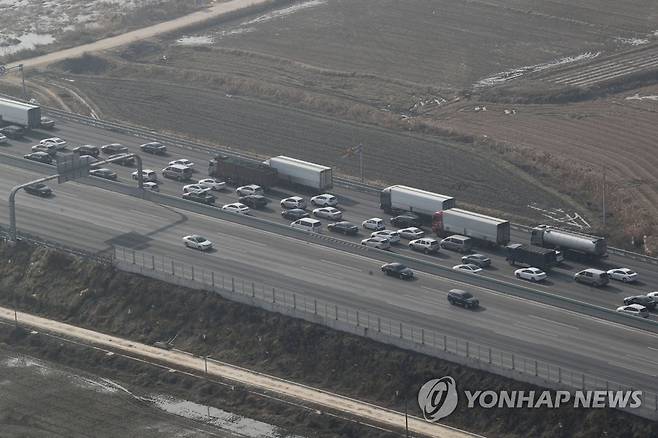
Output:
x=518 y=275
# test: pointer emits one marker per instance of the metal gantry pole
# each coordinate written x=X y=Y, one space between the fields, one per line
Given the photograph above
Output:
x=12 y=204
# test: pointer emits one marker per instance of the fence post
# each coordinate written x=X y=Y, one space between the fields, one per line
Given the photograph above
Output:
x=400 y=330
x=232 y=284
x=153 y=261
x=445 y=343
x=379 y=324
x=422 y=336
x=192 y=266
x=559 y=375
x=212 y=278
x=583 y=377
x=134 y=262
x=315 y=306
x=357 y=318
x=173 y=272
x=535 y=368
x=273 y=295
x=294 y=302
x=489 y=354
x=512 y=360
x=336 y=306
x=253 y=290
x=467 y=349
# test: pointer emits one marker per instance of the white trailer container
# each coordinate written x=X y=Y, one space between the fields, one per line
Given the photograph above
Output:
x=403 y=198
x=19 y=113
x=300 y=172
x=474 y=225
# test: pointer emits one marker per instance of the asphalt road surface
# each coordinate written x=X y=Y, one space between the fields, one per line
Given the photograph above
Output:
x=358 y=206
x=96 y=219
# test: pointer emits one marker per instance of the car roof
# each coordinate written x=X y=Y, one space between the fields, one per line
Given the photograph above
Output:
x=636 y=306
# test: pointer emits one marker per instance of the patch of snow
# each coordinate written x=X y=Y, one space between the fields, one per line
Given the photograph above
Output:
x=505 y=76
x=637 y=96
x=201 y=40
x=633 y=41
x=284 y=12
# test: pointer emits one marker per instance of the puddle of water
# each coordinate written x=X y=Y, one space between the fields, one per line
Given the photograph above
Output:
x=501 y=77
x=217 y=417
x=13 y=43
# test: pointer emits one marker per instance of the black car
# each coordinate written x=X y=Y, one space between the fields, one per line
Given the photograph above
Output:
x=87 y=149
x=39 y=189
x=642 y=300
x=405 y=221
x=113 y=149
x=123 y=161
x=479 y=260
x=154 y=148
x=344 y=227
x=294 y=214
x=14 y=132
x=254 y=201
x=104 y=172
x=204 y=197
x=458 y=297
x=47 y=123
x=398 y=270
x=41 y=157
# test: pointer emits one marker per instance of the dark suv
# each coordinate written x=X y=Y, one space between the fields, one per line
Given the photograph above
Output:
x=344 y=227
x=203 y=197
x=114 y=148
x=87 y=149
x=458 y=297
x=14 y=132
x=642 y=300
x=406 y=221
x=38 y=189
x=254 y=201
x=154 y=147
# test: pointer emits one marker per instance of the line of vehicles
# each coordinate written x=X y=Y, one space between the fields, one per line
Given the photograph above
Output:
x=412 y=208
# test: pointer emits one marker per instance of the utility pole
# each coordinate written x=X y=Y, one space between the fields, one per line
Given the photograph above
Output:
x=603 y=196
x=363 y=178
x=5 y=69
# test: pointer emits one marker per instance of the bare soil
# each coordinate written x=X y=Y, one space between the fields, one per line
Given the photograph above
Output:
x=56 y=285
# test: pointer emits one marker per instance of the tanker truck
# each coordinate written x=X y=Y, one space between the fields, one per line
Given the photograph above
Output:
x=573 y=244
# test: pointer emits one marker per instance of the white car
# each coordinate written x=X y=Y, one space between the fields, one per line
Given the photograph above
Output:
x=152 y=186
x=392 y=236
x=236 y=207
x=3 y=139
x=196 y=188
x=324 y=200
x=182 y=162
x=48 y=148
x=426 y=245
x=623 y=274
x=472 y=269
x=635 y=310
x=411 y=233
x=293 y=202
x=251 y=189
x=377 y=242
x=197 y=242
x=532 y=274
x=56 y=141
x=329 y=213
x=653 y=295
x=147 y=175
x=212 y=184
x=375 y=224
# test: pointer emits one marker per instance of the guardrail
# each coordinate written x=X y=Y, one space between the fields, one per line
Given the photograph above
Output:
x=212 y=150
x=353 y=247
x=370 y=325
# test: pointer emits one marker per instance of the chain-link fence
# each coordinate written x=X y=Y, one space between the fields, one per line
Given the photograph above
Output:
x=368 y=324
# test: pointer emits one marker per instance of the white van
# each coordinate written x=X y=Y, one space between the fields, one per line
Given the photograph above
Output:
x=177 y=172
x=457 y=243
x=307 y=224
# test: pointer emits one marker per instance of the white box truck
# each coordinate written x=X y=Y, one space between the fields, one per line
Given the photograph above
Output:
x=402 y=198
x=303 y=173
x=475 y=225
x=18 y=113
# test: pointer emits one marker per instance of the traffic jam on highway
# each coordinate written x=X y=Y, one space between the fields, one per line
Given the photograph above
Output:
x=425 y=223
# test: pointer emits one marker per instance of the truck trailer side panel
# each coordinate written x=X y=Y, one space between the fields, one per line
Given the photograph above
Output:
x=300 y=172
x=403 y=198
x=19 y=113
x=240 y=171
x=471 y=224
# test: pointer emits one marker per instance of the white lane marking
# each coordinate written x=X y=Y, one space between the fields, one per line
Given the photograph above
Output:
x=351 y=268
x=627 y=366
x=631 y=356
x=550 y=321
x=651 y=348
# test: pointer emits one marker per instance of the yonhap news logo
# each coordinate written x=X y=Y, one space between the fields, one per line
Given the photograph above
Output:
x=438 y=398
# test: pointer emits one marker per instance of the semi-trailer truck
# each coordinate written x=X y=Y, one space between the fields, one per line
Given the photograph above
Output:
x=475 y=225
x=294 y=171
x=574 y=244
x=400 y=199
x=22 y=114
x=526 y=255
x=242 y=171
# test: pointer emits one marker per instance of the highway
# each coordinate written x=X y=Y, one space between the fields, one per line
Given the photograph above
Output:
x=95 y=219
x=358 y=206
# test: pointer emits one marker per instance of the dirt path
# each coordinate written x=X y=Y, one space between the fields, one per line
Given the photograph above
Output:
x=365 y=411
x=141 y=34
